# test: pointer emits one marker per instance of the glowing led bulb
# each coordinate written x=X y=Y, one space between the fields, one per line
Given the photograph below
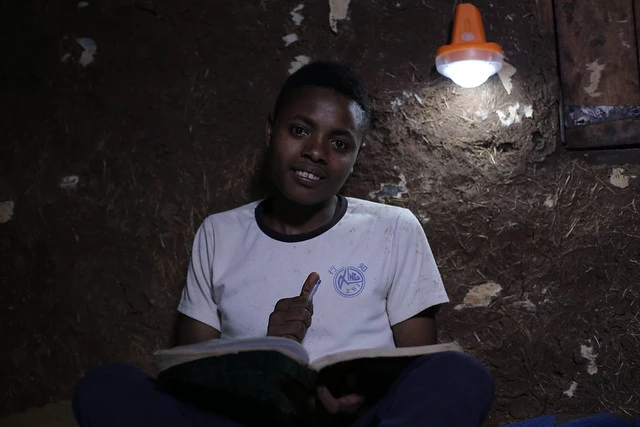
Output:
x=469 y=60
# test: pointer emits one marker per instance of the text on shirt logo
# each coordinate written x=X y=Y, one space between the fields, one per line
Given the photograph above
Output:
x=349 y=281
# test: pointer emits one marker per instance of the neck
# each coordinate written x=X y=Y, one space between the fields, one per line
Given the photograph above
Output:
x=287 y=217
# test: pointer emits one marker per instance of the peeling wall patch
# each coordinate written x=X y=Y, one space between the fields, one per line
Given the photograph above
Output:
x=506 y=72
x=551 y=201
x=571 y=390
x=396 y=103
x=424 y=219
x=587 y=353
x=513 y=114
x=394 y=191
x=296 y=16
x=511 y=117
x=299 y=61
x=399 y=102
x=290 y=38
x=596 y=69
x=618 y=178
x=6 y=211
x=338 y=10
x=623 y=40
x=69 y=182
x=482 y=114
x=480 y=296
x=90 y=50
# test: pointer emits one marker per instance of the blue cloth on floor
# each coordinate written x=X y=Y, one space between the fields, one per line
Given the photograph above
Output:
x=599 y=420
x=602 y=420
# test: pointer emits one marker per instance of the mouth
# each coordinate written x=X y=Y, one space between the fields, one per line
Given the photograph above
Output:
x=306 y=175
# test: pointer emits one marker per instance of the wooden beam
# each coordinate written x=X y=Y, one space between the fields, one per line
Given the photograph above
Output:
x=621 y=133
x=544 y=10
x=598 y=52
x=599 y=67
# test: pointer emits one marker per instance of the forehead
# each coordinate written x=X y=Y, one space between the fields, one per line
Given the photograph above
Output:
x=325 y=102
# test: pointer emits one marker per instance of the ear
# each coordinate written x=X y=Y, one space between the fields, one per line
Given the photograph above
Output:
x=361 y=145
x=268 y=130
x=353 y=165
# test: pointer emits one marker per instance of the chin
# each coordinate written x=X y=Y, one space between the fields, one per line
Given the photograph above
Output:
x=306 y=199
x=309 y=201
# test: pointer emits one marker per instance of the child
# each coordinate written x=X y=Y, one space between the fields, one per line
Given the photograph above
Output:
x=253 y=268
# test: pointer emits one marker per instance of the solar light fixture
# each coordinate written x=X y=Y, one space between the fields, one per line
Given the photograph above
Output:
x=469 y=60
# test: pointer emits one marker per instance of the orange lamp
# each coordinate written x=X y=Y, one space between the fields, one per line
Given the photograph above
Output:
x=469 y=60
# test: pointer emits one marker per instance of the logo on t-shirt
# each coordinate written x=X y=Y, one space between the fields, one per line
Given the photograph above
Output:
x=349 y=281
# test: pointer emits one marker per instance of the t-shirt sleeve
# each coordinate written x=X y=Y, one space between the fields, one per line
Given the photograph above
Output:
x=415 y=283
x=197 y=296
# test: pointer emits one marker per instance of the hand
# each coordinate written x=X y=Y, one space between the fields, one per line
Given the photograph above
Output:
x=291 y=317
x=347 y=404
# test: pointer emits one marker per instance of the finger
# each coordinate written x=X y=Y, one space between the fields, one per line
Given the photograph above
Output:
x=330 y=403
x=307 y=319
x=350 y=403
x=309 y=284
x=301 y=315
x=298 y=315
x=282 y=305
x=296 y=303
x=295 y=330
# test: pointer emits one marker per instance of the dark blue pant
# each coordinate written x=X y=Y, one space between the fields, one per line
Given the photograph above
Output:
x=442 y=389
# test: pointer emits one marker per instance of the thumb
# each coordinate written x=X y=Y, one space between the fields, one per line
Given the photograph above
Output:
x=309 y=284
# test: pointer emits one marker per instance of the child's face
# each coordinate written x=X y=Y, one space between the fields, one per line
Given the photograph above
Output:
x=313 y=144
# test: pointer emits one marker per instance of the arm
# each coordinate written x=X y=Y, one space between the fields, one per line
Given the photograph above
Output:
x=420 y=329
x=197 y=300
x=190 y=331
x=291 y=318
x=416 y=285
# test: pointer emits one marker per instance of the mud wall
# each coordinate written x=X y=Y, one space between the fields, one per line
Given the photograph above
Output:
x=126 y=122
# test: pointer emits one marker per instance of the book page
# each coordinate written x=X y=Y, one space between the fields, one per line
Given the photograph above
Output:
x=331 y=359
x=167 y=358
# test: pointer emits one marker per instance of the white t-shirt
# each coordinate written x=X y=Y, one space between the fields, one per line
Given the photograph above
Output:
x=374 y=261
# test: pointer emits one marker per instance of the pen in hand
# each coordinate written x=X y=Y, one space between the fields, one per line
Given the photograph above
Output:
x=314 y=289
x=291 y=317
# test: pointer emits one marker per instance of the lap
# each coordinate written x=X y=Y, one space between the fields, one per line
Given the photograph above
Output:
x=123 y=395
x=438 y=388
x=441 y=389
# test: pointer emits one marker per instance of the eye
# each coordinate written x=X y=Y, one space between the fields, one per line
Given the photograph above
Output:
x=339 y=144
x=298 y=131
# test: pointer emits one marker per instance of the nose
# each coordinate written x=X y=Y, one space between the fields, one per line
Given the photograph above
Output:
x=314 y=150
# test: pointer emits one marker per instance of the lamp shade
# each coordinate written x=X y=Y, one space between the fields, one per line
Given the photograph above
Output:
x=469 y=60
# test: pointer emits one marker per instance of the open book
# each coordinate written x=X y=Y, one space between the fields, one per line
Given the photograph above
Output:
x=274 y=376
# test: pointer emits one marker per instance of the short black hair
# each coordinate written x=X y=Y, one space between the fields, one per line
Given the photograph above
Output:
x=333 y=75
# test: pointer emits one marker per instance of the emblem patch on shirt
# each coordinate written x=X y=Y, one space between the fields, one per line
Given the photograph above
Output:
x=349 y=281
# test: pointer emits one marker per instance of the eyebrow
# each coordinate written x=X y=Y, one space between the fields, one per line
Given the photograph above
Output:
x=337 y=132
x=307 y=121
